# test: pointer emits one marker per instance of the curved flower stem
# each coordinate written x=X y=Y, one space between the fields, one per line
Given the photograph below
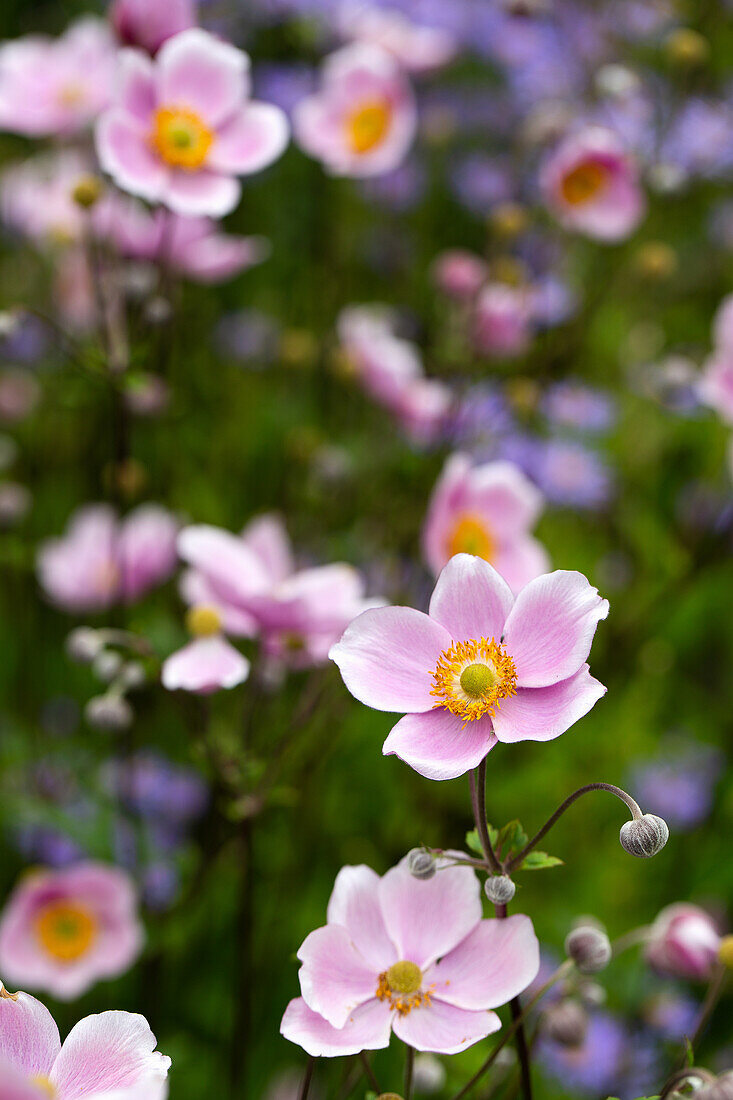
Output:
x=712 y=996
x=409 y=1066
x=626 y=798
x=369 y=1072
x=307 y=1078
x=478 y=802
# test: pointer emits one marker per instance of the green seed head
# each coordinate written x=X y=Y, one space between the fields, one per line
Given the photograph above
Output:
x=476 y=680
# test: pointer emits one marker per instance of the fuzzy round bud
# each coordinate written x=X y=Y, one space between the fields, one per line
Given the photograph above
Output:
x=109 y=712
x=725 y=952
x=719 y=1089
x=589 y=947
x=644 y=836
x=421 y=863
x=499 y=889
x=566 y=1023
x=133 y=674
x=87 y=191
x=84 y=645
x=107 y=665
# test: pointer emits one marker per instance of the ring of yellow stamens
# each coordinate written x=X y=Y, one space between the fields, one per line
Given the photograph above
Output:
x=400 y=986
x=367 y=125
x=470 y=535
x=584 y=182
x=66 y=930
x=202 y=621
x=472 y=678
x=180 y=137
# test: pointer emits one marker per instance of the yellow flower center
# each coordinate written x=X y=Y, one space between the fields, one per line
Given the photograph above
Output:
x=584 y=182
x=44 y=1083
x=71 y=95
x=368 y=124
x=400 y=986
x=202 y=621
x=470 y=535
x=180 y=137
x=66 y=930
x=471 y=678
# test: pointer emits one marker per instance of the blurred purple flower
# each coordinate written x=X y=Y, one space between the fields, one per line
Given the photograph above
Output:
x=679 y=785
x=572 y=404
x=594 y=1068
x=479 y=180
x=570 y=474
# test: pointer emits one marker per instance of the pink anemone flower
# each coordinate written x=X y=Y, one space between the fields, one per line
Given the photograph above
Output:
x=591 y=184
x=55 y=87
x=101 y=561
x=683 y=942
x=183 y=128
x=64 y=930
x=409 y=956
x=150 y=23
x=480 y=667
x=363 y=119
x=503 y=320
x=109 y=1056
x=715 y=387
x=488 y=511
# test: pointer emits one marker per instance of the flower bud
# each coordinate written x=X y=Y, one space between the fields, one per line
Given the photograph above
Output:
x=429 y=1074
x=566 y=1023
x=106 y=665
x=719 y=1089
x=133 y=674
x=109 y=712
x=84 y=644
x=421 y=863
x=683 y=943
x=499 y=889
x=87 y=191
x=644 y=836
x=725 y=952
x=589 y=947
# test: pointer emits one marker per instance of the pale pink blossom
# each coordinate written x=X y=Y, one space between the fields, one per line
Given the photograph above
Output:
x=108 y=1056
x=502 y=320
x=37 y=198
x=480 y=667
x=150 y=23
x=416 y=47
x=64 y=930
x=715 y=387
x=683 y=942
x=57 y=86
x=101 y=560
x=591 y=184
x=409 y=956
x=460 y=274
x=183 y=127
x=362 y=120
x=487 y=510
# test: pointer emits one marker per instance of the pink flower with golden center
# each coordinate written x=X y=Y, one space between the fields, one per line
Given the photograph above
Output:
x=363 y=120
x=482 y=666
x=684 y=942
x=183 y=126
x=591 y=184
x=64 y=930
x=109 y=1056
x=487 y=511
x=409 y=956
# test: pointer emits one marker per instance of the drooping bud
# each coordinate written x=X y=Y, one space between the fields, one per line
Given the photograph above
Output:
x=719 y=1089
x=589 y=947
x=109 y=712
x=107 y=665
x=84 y=644
x=133 y=674
x=683 y=942
x=644 y=836
x=421 y=863
x=499 y=889
x=566 y=1023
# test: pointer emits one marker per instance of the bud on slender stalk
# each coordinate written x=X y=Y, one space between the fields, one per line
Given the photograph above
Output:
x=109 y=712
x=644 y=836
x=566 y=1023
x=84 y=644
x=106 y=665
x=589 y=947
x=499 y=889
x=421 y=863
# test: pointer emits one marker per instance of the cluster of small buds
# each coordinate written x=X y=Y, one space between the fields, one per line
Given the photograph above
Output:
x=644 y=836
x=122 y=673
x=588 y=946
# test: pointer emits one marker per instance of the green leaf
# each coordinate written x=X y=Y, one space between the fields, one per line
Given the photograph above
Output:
x=473 y=843
x=537 y=861
x=511 y=839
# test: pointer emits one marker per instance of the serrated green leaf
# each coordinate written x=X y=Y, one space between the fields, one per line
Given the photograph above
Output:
x=537 y=861
x=511 y=839
x=473 y=843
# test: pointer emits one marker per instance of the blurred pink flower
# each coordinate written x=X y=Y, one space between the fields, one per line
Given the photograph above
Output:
x=591 y=184
x=363 y=119
x=108 y=1056
x=409 y=956
x=481 y=667
x=683 y=942
x=149 y=23
x=460 y=274
x=723 y=325
x=416 y=47
x=502 y=321
x=64 y=930
x=57 y=86
x=101 y=560
x=488 y=511
x=183 y=128
x=37 y=198
x=715 y=387
x=19 y=394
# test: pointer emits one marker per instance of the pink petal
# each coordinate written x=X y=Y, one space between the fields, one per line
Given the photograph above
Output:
x=124 y=153
x=354 y=904
x=470 y=599
x=203 y=74
x=29 y=1038
x=550 y=629
x=387 y=657
x=15 y=1085
x=494 y=963
x=136 y=93
x=368 y=1029
x=205 y=665
x=254 y=138
x=439 y=745
x=224 y=559
x=268 y=540
x=540 y=714
x=501 y=492
x=196 y=588
x=443 y=1028
x=520 y=561
x=427 y=918
x=334 y=978
x=102 y=1053
x=202 y=192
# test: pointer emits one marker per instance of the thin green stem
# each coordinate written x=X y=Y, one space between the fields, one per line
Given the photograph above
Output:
x=712 y=996
x=478 y=802
x=364 y=1059
x=409 y=1067
x=307 y=1078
